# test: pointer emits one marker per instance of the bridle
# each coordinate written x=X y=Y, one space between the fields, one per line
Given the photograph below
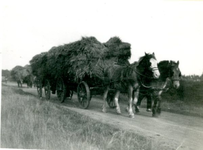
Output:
x=172 y=79
x=153 y=69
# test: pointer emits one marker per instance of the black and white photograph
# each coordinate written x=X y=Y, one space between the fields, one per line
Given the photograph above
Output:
x=101 y=74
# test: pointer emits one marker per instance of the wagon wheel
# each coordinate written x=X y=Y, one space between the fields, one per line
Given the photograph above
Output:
x=110 y=99
x=39 y=88
x=47 y=89
x=61 y=90
x=83 y=92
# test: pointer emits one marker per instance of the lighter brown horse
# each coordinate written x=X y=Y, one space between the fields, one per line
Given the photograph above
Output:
x=126 y=79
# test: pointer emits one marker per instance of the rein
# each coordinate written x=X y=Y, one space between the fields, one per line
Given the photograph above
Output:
x=155 y=88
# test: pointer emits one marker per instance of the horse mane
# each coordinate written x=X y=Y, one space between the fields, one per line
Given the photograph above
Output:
x=165 y=68
x=149 y=56
x=142 y=69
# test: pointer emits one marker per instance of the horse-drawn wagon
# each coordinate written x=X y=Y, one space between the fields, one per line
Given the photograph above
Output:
x=89 y=68
x=22 y=75
x=79 y=67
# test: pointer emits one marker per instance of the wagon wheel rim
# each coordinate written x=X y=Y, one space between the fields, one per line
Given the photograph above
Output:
x=61 y=90
x=83 y=93
x=47 y=88
x=110 y=100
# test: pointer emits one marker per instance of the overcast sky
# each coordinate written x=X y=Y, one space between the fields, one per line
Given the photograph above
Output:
x=171 y=29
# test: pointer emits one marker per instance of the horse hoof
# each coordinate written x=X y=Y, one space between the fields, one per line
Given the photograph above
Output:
x=118 y=112
x=132 y=116
x=137 y=110
x=154 y=115
x=149 y=110
x=104 y=110
x=127 y=109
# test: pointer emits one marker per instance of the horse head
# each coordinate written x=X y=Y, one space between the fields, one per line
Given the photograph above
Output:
x=148 y=66
x=175 y=73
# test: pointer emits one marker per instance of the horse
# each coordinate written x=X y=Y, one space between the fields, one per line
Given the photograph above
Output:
x=169 y=72
x=126 y=79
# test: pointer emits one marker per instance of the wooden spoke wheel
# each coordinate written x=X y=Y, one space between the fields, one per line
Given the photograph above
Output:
x=83 y=92
x=47 y=90
x=61 y=90
x=39 y=88
x=110 y=99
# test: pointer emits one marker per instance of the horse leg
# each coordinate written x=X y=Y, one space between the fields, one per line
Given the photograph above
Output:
x=130 y=110
x=149 y=102
x=159 y=104
x=104 y=100
x=154 y=109
x=140 y=98
x=118 y=110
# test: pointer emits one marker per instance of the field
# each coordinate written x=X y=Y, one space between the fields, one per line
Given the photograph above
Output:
x=187 y=100
x=27 y=122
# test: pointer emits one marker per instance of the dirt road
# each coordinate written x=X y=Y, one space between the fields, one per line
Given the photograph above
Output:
x=174 y=130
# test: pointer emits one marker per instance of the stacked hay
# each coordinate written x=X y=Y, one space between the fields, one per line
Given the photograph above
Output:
x=19 y=73
x=118 y=54
x=75 y=59
x=38 y=63
x=28 y=68
x=84 y=58
x=118 y=49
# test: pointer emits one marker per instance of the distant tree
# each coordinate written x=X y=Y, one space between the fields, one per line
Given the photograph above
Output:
x=6 y=73
x=201 y=77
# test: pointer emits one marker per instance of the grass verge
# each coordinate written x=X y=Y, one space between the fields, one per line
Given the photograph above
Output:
x=27 y=122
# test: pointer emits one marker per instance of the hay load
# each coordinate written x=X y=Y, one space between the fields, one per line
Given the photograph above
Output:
x=84 y=58
x=74 y=59
x=118 y=49
x=118 y=54
x=38 y=63
x=20 y=73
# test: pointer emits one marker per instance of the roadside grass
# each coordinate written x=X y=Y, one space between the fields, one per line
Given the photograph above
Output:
x=188 y=99
x=27 y=122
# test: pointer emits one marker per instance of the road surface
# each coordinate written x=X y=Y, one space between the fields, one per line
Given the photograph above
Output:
x=177 y=131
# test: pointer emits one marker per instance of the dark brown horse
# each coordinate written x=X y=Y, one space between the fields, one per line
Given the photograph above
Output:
x=169 y=72
x=126 y=79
